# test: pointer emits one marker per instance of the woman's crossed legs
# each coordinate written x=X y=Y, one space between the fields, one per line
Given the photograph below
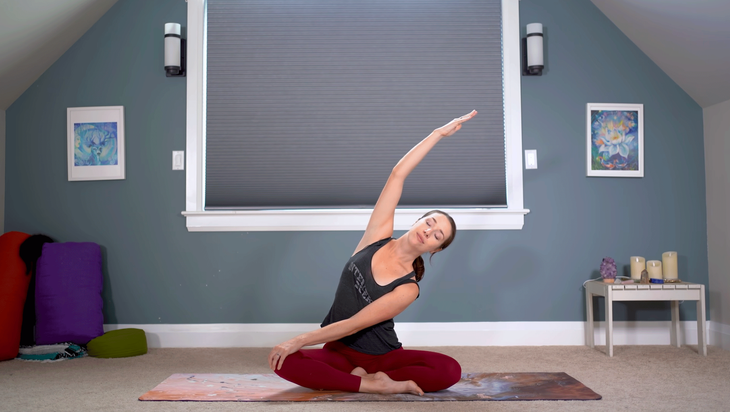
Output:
x=338 y=367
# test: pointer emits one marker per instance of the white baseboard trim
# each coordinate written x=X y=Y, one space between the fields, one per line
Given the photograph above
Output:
x=227 y=335
x=720 y=335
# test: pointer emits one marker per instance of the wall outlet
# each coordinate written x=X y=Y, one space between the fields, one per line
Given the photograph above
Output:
x=530 y=159
x=178 y=160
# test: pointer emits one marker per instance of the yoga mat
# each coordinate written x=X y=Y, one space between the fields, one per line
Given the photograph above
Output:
x=211 y=387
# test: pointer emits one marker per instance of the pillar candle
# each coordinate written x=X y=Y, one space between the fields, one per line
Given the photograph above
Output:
x=669 y=265
x=638 y=264
x=654 y=267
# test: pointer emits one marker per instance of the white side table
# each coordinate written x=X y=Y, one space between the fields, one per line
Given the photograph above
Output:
x=673 y=292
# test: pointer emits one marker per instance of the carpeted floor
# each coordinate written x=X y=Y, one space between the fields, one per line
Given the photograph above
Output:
x=637 y=378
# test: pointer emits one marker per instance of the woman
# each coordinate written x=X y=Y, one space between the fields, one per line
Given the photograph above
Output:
x=362 y=352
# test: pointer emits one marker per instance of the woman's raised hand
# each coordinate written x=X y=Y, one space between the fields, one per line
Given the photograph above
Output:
x=453 y=126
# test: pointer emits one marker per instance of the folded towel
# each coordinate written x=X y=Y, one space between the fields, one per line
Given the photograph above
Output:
x=51 y=353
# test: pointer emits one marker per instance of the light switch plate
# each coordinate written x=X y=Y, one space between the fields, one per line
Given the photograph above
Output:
x=178 y=160
x=530 y=159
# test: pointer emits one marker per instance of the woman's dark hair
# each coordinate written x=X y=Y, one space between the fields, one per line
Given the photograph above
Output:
x=418 y=265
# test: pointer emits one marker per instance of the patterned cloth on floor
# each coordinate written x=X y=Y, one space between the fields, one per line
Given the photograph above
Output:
x=51 y=353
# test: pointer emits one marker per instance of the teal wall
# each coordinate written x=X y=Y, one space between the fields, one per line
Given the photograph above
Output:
x=157 y=272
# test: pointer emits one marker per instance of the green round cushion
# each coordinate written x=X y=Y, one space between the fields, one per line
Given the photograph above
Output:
x=120 y=343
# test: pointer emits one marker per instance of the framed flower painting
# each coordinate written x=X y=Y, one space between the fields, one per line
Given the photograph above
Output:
x=95 y=143
x=615 y=140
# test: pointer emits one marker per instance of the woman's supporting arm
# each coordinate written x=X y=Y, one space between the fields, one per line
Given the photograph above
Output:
x=386 y=307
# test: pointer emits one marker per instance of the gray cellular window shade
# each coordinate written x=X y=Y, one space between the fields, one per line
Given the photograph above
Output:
x=311 y=103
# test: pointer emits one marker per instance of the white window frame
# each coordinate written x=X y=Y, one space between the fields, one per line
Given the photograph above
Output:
x=200 y=220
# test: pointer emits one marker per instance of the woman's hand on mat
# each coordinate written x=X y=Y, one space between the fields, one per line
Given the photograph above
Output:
x=281 y=351
x=453 y=126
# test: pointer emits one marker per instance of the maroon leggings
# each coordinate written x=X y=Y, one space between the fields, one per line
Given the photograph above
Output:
x=329 y=368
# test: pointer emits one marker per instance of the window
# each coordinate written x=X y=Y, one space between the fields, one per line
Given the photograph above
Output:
x=200 y=218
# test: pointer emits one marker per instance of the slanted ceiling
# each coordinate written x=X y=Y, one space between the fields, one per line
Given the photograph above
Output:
x=688 y=40
x=35 y=33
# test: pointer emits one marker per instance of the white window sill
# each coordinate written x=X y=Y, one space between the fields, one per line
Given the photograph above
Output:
x=343 y=219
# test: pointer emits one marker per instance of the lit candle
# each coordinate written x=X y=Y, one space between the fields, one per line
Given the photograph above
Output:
x=638 y=264
x=669 y=265
x=654 y=267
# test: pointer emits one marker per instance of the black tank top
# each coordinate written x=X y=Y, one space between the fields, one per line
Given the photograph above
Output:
x=357 y=289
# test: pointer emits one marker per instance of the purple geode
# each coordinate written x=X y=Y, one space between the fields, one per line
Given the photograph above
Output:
x=608 y=268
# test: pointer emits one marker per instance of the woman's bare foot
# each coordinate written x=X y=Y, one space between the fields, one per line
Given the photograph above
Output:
x=359 y=372
x=379 y=382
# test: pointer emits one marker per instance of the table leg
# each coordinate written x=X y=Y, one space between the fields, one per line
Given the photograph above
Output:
x=701 y=332
x=609 y=322
x=589 y=319
x=674 y=333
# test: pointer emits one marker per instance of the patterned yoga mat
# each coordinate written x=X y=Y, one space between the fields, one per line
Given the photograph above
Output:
x=213 y=387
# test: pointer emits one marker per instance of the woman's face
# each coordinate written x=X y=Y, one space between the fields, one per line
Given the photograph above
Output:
x=430 y=232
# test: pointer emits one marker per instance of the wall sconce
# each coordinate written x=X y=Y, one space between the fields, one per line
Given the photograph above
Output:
x=532 y=59
x=174 y=51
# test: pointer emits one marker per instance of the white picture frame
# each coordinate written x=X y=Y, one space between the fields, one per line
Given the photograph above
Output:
x=614 y=140
x=95 y=143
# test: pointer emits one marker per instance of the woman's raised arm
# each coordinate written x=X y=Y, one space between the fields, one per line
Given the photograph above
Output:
x=380 y=225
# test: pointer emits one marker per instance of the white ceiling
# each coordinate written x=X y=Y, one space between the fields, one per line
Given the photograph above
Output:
x=35 y=33
x=688 y=39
